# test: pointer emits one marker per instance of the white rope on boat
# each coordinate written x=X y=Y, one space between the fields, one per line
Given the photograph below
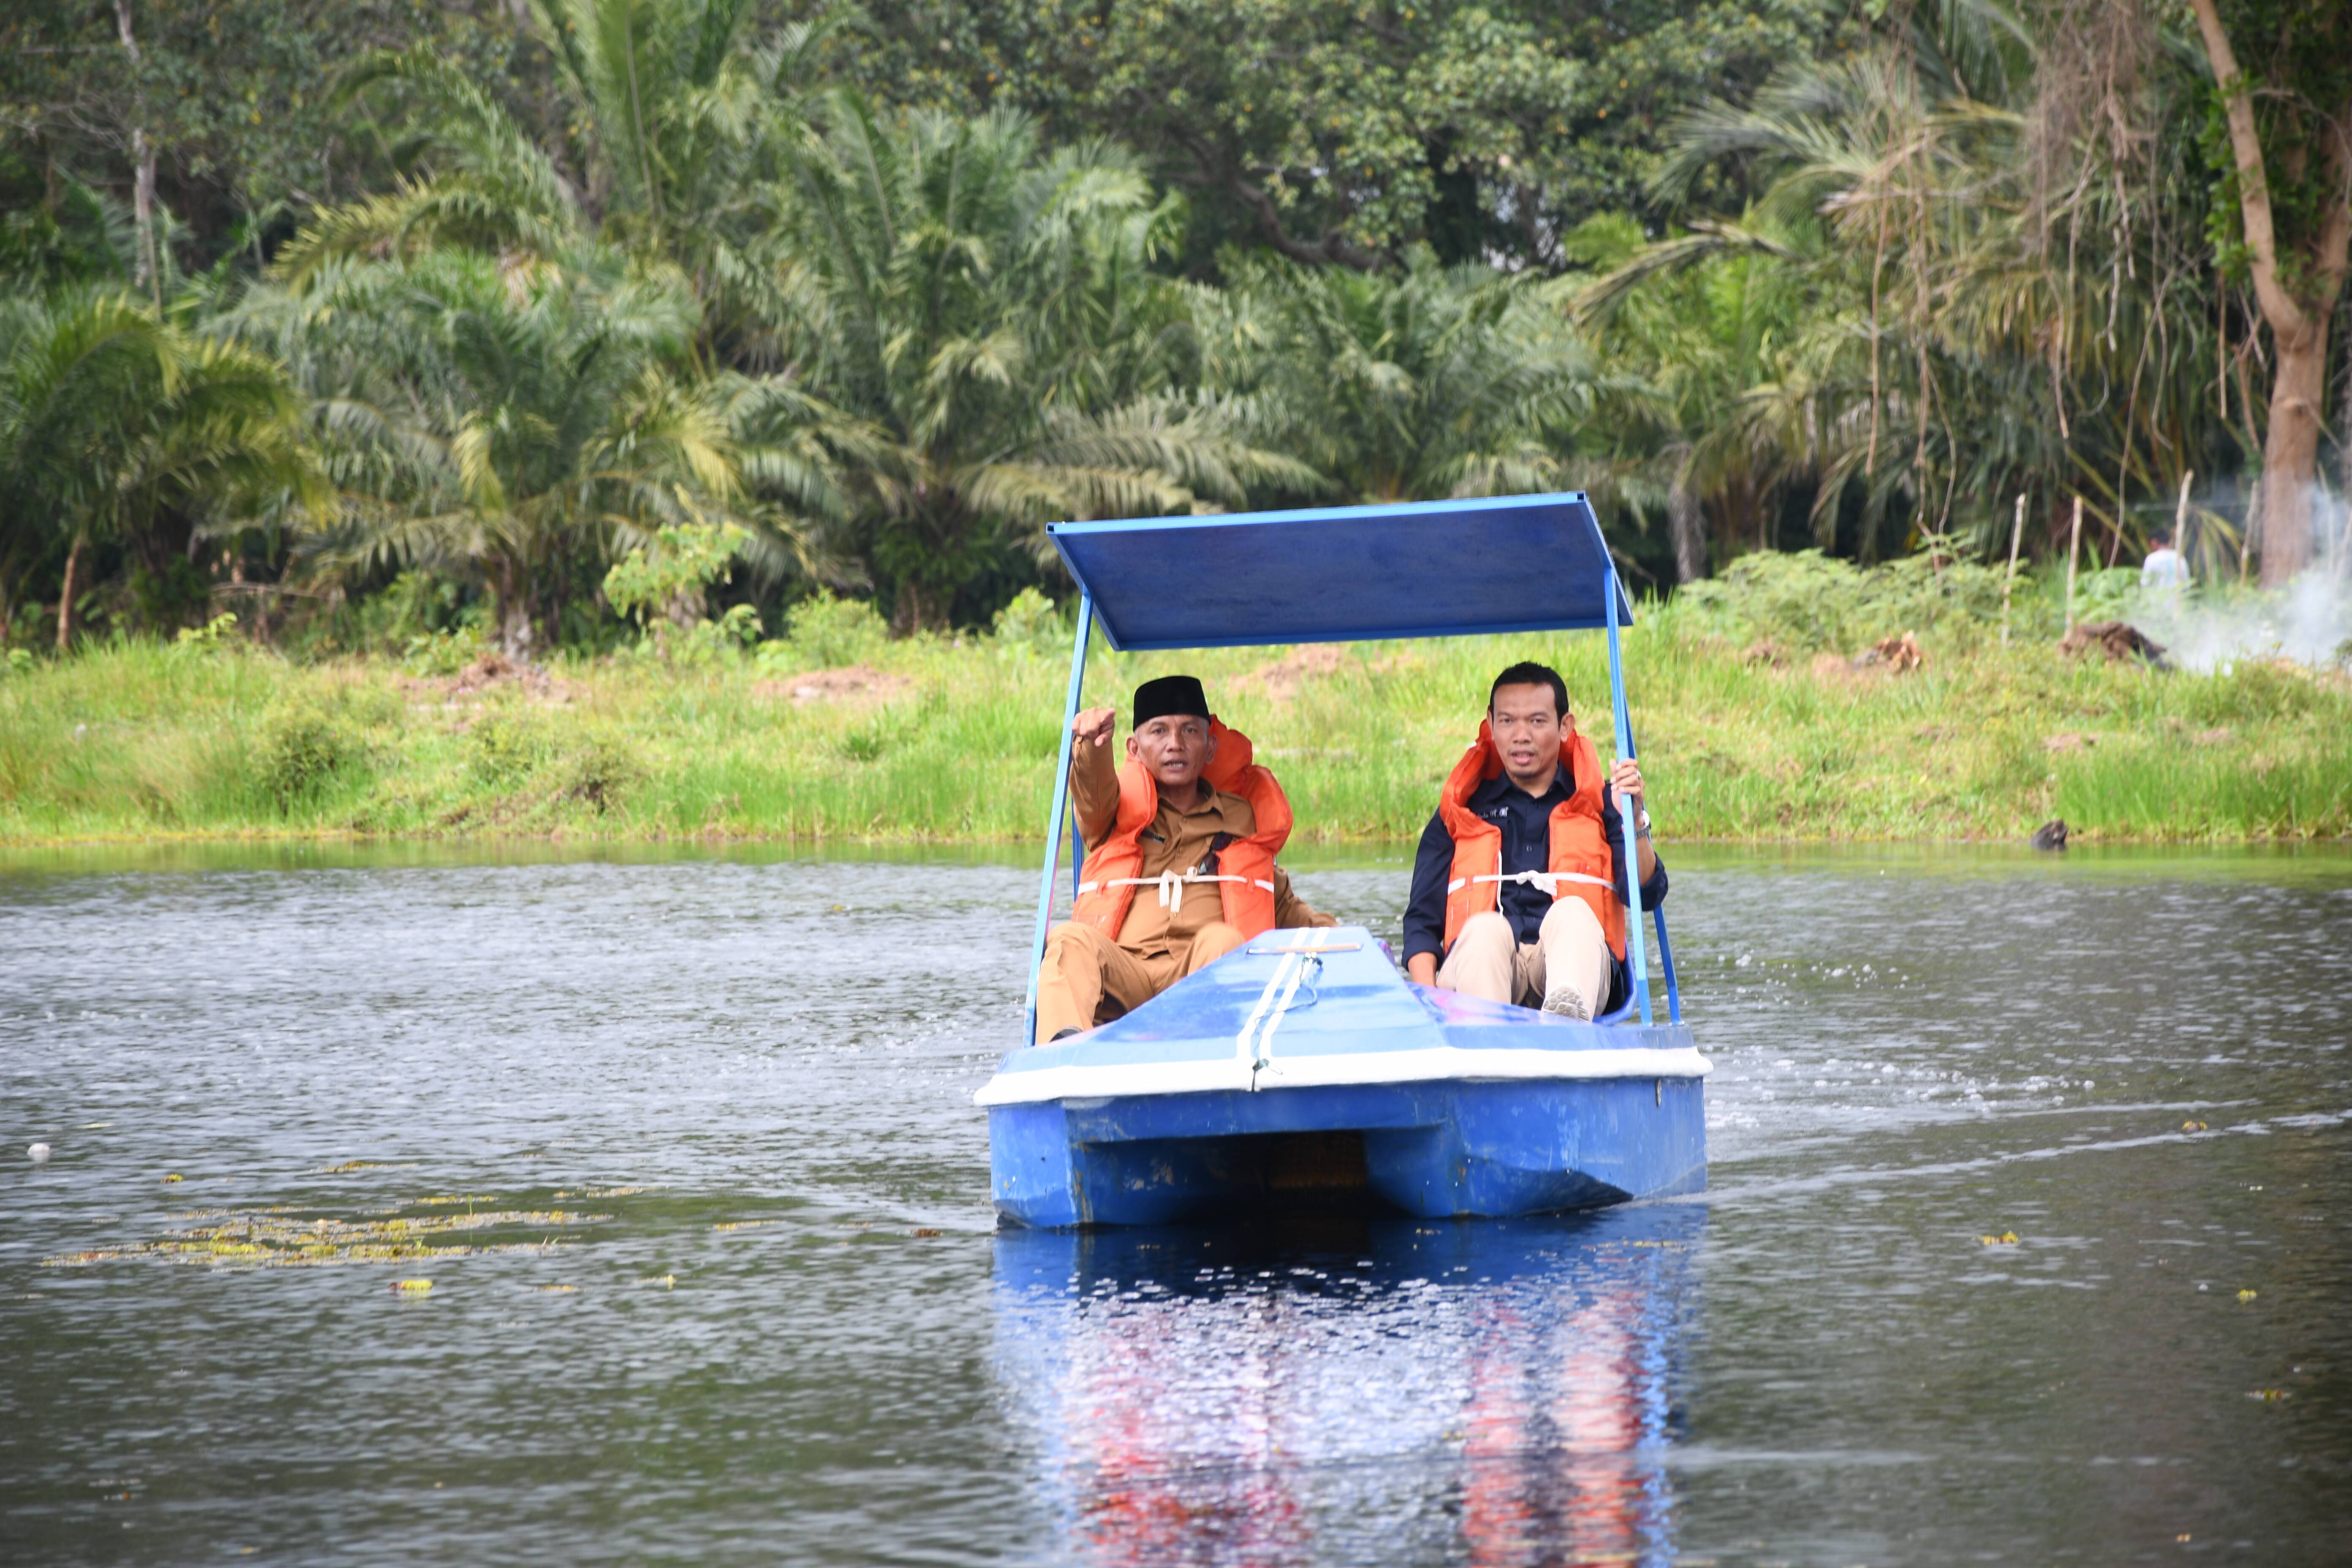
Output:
x=1288 y=974
x=1244 y=1043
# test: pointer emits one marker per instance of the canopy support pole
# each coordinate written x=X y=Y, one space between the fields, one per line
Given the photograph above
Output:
x=1666 y=959
x=1658 y=916
x=1061 y=800
x=1637 y=957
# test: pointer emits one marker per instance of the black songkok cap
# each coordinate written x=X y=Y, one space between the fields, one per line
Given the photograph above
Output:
x=1170 y=694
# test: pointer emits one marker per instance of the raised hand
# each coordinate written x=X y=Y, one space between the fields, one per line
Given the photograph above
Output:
x=1094 y=724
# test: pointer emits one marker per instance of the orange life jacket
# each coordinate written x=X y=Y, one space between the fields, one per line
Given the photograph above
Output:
x=1580 y=850
x=1108 y=881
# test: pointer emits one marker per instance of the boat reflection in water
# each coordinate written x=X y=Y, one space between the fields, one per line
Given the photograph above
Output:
x=1329 y=1388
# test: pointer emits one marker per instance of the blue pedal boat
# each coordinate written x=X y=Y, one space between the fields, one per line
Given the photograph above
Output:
x=1304 y=1067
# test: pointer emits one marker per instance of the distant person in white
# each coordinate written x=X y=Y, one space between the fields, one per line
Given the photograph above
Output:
x=2165 y=567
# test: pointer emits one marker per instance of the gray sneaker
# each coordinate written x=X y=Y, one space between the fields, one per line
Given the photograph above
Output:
x=1566 y=1000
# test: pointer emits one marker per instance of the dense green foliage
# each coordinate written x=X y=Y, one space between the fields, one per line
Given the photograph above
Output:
x=386 y=323
x=1348 y=132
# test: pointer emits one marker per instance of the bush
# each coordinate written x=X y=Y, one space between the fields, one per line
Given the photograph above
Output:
x=504 y=747
x=598 y=771
x=2107 y=593
x=826 y=633
x=415 y=607
x=866 y=744
x=670 y=574
x=1031 y=625
x=705 y=643
x=1806 y=602
x=444 y=652
x=210 y=638
x=305 y=743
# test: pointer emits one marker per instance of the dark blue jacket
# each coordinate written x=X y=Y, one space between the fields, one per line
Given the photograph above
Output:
x=1525 y=822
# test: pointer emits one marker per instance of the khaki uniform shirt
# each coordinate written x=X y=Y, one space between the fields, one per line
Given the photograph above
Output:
x=1178 y=840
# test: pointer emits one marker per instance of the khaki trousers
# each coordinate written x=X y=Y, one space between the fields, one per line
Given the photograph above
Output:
x=1489 y=961
x=1084 y=969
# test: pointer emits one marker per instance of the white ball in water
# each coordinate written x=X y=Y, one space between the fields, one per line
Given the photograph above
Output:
x=39 y=1154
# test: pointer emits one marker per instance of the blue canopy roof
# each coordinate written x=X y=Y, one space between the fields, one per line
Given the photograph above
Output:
x=1429 y=569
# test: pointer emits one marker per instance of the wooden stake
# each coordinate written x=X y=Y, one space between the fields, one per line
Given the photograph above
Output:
x=2073 y=544
x=2221 y=350
x=2008 y=584
x=2180 y=522
x=66 y=596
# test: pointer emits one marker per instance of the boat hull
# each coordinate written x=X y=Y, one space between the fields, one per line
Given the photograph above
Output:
x=1435 y=1150
x=1303 y=1068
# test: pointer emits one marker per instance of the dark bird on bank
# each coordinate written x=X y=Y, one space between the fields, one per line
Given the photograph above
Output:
x=2051 y=835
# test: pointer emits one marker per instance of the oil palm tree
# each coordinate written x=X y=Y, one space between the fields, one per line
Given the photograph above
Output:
x=522 y=421
x=1428 y=382
x=989 y=307
x=118 y=423
x=677 y=130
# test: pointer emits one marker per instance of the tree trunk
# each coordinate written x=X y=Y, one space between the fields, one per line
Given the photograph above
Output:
x=1687 y=528
x=150 y=273
x=147 y=272
x=906 y=610
x=514 y=609
x=2298 y=320
x=66 y=596
x=2291 y=452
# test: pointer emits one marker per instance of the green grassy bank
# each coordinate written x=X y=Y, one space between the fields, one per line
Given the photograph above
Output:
x=924 y=740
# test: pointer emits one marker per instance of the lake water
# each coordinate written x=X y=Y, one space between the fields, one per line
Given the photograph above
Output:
x=734 y=1293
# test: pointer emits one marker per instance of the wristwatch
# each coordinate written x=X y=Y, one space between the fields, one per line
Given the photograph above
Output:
x=1643 y=825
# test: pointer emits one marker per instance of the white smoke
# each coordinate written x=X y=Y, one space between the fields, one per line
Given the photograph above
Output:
x=2309 y=621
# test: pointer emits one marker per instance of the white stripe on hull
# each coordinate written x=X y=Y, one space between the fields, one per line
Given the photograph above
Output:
x=1437 y=1064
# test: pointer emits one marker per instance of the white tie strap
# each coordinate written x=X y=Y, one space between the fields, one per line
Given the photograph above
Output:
x=1549 y=881
x=1171 y=884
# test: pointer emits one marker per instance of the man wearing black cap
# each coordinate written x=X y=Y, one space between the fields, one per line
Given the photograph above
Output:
x=1180 y=869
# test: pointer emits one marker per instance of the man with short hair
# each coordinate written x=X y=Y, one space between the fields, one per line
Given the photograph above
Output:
x=1181 y=872
x=1520 y=892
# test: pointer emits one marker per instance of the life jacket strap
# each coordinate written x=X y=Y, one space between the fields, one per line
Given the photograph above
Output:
x=1549 y=881
x=1171 y=884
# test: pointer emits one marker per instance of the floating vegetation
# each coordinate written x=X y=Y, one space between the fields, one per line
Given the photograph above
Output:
x=284 y=1237
x=604 y=1193
x=412 y=1287
x=464 y=1198
x=744 y=1224
x=2006 y=1238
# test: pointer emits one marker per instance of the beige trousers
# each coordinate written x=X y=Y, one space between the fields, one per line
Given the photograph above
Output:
x=1085 y=970
x=1489 y=961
